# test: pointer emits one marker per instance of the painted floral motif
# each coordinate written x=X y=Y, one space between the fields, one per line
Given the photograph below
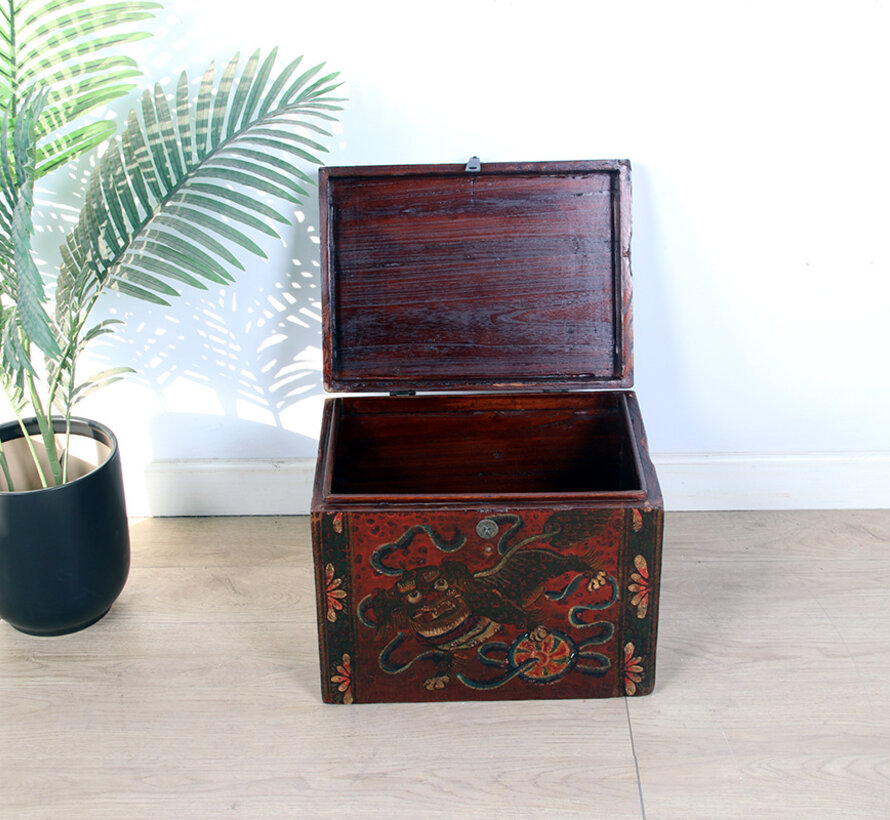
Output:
x=343 y=678
x=334 y=595
x=637 y=520
x=633 y=671
x=641 y=586
x=338 y=523
x=544 y=659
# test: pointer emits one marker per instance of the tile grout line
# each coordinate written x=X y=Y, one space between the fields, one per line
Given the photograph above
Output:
x=633 y=750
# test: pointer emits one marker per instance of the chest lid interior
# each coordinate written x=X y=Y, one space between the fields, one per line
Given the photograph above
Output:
x=512 y=277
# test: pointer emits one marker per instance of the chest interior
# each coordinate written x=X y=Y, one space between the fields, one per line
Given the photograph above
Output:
x=483 y=446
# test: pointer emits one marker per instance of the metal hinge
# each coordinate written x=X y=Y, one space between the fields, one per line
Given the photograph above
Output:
x=402 y=392
x=473 y=166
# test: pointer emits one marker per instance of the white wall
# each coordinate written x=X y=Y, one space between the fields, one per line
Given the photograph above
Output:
x=759 y=139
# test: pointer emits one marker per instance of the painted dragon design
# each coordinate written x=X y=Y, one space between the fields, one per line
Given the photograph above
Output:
x=451 y=610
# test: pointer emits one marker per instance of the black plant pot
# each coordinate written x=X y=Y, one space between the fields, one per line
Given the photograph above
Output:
x=64 y=551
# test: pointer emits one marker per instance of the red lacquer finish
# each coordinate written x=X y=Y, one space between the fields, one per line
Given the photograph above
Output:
x=495 y=545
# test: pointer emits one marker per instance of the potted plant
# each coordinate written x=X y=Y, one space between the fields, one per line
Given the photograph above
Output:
x=169 y=198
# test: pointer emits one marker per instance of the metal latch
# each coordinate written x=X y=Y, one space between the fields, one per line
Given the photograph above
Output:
x=473 y=166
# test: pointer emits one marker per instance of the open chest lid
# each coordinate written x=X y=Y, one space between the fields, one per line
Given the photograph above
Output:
x=493 y=277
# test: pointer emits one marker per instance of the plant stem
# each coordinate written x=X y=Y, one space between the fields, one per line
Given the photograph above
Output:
x=10 y=487
x=51 y=398
x=27 y=436
x=46 y=430
x=66 y=446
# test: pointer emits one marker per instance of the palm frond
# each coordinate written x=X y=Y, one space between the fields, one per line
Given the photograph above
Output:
x=57 y=45
x=97 y=381
x=181 y=190
x=25 y=279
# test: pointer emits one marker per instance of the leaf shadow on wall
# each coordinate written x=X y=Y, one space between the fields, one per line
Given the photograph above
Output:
x=230 y=364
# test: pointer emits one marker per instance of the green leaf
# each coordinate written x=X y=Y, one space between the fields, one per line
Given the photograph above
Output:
x=81 y=21
x=210 y=223
x=295 y=87
x=16 y=360
x=73 y=106
x=284 y=133
x=143 y=294
x=101 y=329
x=284 y=147
x=153 y=140
x=8 y=182
x=66 y=148
x=136 y=151
x=99 y=380
x=134 y=172
x=318 y=89
x=255 y=170
x=203 y=108
x=120 y=188
x=60 y=62
x=248 y=180
x=257 y=88
x=242 y=200
x=37 y=63
x=161 y=242
x=262 y=158
x=111 y=239
x=221 y=102
x=294 y=140
x=224 y=209
x=124 y=66
x=168 y=133
x=184 y=122
x=317 y=110
x=188 y=228
x=297 y=119
x=89 y=239
x=191 y=264
x=241 y=94
x=29 y=292
x=160 y=268
x=277 y=87
x=144 y=280
x=109 y=191
x=183 y=186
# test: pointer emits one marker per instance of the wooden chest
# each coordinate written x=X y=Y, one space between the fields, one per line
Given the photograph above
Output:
x=498 y=535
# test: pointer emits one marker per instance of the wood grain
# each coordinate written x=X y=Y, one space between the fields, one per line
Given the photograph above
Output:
x=517 y=276
x=775 y=657
x=198 y=696
x=485 y=445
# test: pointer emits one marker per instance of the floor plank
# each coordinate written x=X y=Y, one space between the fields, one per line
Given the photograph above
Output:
x=198 y=695
x=774 y=645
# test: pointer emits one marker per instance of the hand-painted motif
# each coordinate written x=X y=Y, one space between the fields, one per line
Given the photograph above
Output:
x=640 y=586
x=334 y=593
x=524 y=611
x=633 y=671
x=342 y=678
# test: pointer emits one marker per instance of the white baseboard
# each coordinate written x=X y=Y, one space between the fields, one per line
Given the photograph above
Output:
x=689 y=481
x=774 y=481
x=230 y=486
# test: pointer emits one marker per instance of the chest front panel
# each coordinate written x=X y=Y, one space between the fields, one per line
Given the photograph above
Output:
x=455 y=605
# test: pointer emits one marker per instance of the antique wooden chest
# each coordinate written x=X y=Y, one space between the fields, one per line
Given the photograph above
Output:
x=490 y=526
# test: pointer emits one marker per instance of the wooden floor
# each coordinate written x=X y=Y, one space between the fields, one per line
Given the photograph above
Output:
x=198 y=695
